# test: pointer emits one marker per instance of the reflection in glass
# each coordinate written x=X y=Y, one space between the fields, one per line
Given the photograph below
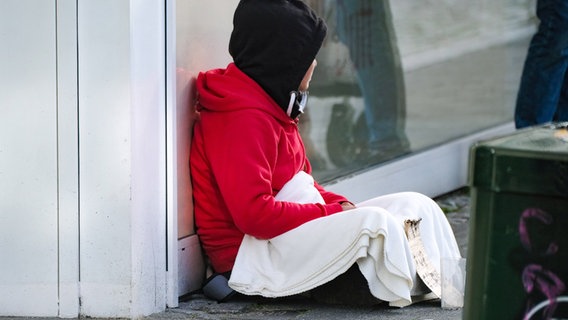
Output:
x=359 y=59
x=461 y=73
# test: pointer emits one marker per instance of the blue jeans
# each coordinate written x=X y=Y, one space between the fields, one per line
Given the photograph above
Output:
x=366 y=28
x=543 y=93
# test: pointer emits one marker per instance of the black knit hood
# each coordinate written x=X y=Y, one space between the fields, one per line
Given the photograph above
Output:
x=274 y=42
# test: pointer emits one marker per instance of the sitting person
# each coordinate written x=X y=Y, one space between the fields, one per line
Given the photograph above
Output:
x=260 y=215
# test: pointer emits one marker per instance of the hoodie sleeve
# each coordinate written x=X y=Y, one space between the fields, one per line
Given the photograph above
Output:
x=244 y=157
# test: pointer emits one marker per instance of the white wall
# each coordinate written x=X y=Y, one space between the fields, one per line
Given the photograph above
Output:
x=105 y=156
x=122 y=155
x=148 y=133
x=82 y=158
x=28 y=158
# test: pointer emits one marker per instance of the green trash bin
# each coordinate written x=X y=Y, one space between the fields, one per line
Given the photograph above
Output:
x=517 y=265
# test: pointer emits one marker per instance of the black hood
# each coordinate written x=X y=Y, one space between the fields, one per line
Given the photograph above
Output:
x=274 y=42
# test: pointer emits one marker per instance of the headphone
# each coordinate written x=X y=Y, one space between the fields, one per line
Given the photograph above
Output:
x=297 y=104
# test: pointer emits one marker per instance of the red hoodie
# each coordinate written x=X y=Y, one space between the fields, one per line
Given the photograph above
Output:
x=244 y=149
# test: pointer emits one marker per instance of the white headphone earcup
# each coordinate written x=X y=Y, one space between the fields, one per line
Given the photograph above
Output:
x=291 y=103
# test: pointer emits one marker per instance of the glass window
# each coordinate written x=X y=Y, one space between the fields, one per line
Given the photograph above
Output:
x=395 y=80
x=393 y=77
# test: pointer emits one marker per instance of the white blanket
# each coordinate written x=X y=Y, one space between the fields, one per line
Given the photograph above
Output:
x=320 y=250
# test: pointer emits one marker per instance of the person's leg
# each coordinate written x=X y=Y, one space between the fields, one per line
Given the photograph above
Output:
x=366 y=28
x=562 y=110
x=545 y=66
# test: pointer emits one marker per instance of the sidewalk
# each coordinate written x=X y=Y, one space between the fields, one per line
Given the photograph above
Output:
x=457 y=208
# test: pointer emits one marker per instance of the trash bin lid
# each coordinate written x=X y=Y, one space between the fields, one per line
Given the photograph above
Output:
x=532 y=160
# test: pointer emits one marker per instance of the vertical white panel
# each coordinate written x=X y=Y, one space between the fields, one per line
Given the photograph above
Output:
x=68 y=158
x=172 y=289
x=28 y=158
x=147 y=40
x=105 y=157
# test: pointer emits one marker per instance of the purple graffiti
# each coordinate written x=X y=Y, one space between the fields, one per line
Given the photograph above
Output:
x=542 y=216
x=535 y=277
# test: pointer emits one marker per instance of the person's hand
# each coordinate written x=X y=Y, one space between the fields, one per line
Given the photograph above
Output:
x=347 y=205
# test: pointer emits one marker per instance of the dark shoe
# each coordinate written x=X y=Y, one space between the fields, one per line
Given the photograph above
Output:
x=339 y=139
